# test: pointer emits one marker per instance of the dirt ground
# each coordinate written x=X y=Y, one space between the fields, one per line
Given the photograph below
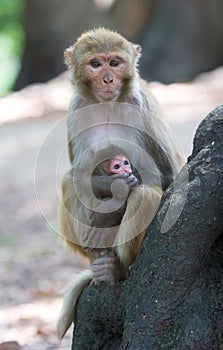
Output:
x=34 y=263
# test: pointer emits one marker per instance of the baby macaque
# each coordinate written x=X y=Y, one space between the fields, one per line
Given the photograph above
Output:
x=119 y=164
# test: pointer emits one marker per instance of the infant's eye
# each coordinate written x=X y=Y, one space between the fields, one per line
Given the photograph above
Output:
x=116 y=166
x=95 y=63
x=115 y=62
x=126 y=162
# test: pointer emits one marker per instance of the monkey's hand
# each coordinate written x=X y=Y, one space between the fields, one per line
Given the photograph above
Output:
x=103 y=269
x=121 y=186
x=103 y=187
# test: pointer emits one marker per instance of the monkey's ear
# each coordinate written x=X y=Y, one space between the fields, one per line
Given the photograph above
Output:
x=137 y=49
x=68 y=57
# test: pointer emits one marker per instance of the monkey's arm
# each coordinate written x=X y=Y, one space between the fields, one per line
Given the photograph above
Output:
x=108 y=268
x=82 y=215
x=101 y=235
x=102 y=184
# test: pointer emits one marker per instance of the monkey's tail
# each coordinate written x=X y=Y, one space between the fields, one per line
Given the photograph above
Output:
x=71 y=293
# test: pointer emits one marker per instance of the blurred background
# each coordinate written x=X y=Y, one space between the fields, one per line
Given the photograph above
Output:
x=180 y=38
x=182 y=59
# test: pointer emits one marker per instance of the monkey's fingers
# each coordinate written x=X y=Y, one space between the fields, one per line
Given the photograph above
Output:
x=103 y=260
x=131 y=181
x=103 y=270
x=104 y=279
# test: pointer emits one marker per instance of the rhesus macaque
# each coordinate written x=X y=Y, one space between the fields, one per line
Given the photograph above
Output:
x=117 y=165
x=104 y=70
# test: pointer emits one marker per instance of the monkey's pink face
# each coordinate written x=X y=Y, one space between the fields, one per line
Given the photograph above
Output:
x=120 y=165
x=106 y=71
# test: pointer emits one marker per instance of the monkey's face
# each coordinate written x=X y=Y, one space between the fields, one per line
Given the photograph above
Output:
x=103 y=65
x=120 y=165
x=106 y=73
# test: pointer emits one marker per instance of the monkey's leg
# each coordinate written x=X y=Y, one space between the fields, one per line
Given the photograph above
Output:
x=74 y=216
x=142 y=205
x=70 y=211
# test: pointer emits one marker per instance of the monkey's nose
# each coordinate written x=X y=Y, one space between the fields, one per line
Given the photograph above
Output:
x=108 y=79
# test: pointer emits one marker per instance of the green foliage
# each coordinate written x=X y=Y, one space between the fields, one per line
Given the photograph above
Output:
x=11 y=42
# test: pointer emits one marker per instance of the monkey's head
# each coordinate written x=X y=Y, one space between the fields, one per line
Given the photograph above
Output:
x=103 y=64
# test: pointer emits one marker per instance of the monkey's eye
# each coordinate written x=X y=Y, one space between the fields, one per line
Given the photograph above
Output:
x=115 y=62
x=126 y=162
x=95 y=63
x=116 y=166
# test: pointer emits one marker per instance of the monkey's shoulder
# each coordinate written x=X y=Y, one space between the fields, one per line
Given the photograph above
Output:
x=76 y=103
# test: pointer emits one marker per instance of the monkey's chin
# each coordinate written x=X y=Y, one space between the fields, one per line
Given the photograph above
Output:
x=106 y=96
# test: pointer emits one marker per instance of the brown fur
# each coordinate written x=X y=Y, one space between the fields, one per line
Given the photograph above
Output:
x=123 y=241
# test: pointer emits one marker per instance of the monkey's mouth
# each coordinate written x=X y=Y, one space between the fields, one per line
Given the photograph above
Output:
x=108 y=95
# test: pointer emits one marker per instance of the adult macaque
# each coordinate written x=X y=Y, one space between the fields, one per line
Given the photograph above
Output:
x=104 y=70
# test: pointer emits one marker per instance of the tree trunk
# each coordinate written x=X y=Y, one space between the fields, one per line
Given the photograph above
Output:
x=174 y=296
